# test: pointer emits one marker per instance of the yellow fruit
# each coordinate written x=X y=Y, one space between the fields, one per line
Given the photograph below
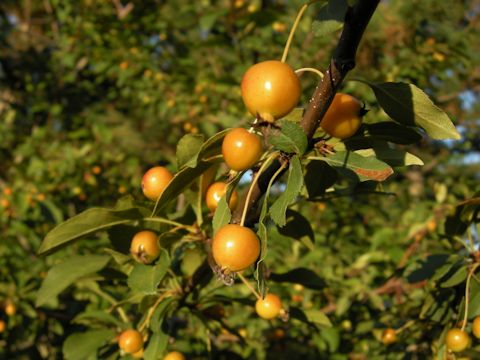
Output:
x=269 y=307
x=343 y=117
x=235 y=247
x=241 y=149
x=144 y=247
x=457 y=340
x=130 y=341
x=155 y=181
x=389 y=336
x=174 y=355
x=215 y=193
x=270 y=89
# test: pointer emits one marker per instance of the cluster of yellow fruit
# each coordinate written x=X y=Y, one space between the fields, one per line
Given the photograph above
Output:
x=270 y=90
x=457 y=340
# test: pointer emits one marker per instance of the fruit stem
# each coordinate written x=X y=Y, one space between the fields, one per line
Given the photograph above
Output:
x=250 y=287
x=294 y=28
x=316 y=71
x=171 y=222
x=467 y=295
x=151 y=310
x=254 y=182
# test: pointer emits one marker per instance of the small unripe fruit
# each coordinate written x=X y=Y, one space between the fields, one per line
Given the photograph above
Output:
x=215 y=193
x=389 y=336
x=130 y=341
x=155 y=181
x=476 y=327
x=241 y=149
x=10 y=309
x=174 y=355
x=270 y=89
x=457 y=340
x=235 y=247
x=343 y=117
x=144 y=247
x=269 y=307
x=138 y=354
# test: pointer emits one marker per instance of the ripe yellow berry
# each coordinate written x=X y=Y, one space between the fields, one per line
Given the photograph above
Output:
x=270 y=89
x=343 y=117
x=269 y=307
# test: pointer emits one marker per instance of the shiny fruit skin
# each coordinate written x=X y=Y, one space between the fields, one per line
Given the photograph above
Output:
x=270 y=89
x=155 y=181
x=457 y=340
x=130 y=341
x=476 y=327
x=241 y=149
x=144 y=247
x=389 y=336
x=215 y=193
x=174 y=355
x=343 y=117
x=269 y=307
x=235 y=247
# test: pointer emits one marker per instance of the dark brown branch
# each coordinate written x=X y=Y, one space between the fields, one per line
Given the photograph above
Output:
x=356 y=20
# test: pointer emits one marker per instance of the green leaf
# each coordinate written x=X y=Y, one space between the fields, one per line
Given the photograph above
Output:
x=156 y=346
x=459 y=276
x=188 y=149
x=390 y=131
x=159 y=314
x=293 y=186
x=290 y=139
x=146 y=278
x=86 y=223
x=366 y=168
x=61 y=276
x=303 y=276
x=409 y=105
x=298 y=227
x=83 y=346
x=182 y=180
x=319 y=176
x=318 y=317
x=392 y=157
x=429 y=267
x=96 y=316
x=295 y=115
x=330 y=18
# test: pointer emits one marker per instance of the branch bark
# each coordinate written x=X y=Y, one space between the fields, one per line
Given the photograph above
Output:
x=343 y=60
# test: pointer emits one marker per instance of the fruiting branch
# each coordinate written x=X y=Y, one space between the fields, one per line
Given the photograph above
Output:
x=356 y=20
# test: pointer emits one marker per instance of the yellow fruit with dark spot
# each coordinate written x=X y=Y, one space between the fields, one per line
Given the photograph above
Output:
x=144 y=247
